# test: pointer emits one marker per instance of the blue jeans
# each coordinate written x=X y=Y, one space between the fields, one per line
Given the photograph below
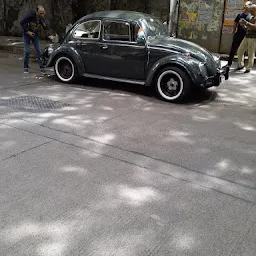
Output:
x=35 y=40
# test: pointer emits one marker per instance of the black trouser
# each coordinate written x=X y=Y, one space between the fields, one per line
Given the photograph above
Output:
x=237 y=40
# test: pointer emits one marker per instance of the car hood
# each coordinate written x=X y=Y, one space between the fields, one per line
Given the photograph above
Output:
x=183 y=46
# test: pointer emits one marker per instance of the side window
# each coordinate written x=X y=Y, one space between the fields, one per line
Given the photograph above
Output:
x=118 y=31
x=88 y=30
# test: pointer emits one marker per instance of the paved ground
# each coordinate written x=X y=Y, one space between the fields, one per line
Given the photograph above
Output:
x=112 y=170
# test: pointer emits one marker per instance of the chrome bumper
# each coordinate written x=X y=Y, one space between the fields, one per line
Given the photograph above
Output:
x=217 y=79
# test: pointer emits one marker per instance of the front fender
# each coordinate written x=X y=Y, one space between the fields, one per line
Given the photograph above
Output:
x=72 y=53
x=187 y=63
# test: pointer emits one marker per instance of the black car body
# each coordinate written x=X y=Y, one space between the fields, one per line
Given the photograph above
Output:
x=135 y=48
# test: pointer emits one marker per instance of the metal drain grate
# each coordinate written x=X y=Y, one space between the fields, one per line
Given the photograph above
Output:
x=32 y=104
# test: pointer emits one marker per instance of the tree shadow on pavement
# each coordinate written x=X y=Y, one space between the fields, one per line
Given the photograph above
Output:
x=119 y=173
x=197 y=95
x=61 y=200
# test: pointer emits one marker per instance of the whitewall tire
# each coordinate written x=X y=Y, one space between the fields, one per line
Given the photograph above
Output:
x=65 y=69
x=172 y=84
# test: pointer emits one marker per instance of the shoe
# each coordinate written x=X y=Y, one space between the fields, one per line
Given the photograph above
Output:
x=226 y=66
x=42 y=70
x=26 y=71
x=247 y=71
x=239 y=68
x=227 y=73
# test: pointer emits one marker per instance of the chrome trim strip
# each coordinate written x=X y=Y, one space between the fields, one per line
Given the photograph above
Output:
x=110 y=43
x=114 y=79
x=164 y=49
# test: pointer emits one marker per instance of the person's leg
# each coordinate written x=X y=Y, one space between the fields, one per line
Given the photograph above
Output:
x=234 y=47
x=241 y=51
x=36 y=44
x=251 y=54
x=26 y=40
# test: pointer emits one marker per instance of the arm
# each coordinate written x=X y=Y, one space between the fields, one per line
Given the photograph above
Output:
x=250 y=25
x=247 y=24
x=236 y=23
x=234 y=27
x=25 y=21
x=43 y=23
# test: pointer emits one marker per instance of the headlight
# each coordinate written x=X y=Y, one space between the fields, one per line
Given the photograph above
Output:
x=50 y=50
x=203 y=69
x=217 y=60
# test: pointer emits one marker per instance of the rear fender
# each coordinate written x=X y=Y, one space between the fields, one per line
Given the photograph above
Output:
x=67 y=51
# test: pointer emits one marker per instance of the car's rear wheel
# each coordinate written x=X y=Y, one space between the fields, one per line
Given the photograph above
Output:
x=65 y=69
x=172 y=84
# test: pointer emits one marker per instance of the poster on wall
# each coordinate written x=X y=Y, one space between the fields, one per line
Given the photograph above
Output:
x=233 y=7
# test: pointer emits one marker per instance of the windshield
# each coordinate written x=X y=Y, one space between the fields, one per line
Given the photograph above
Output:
x=154 y=27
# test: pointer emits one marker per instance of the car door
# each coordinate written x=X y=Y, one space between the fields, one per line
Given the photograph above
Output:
x=121 y=56
x=86 y=40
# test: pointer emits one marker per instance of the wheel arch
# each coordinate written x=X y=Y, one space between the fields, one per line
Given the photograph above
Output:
x=177 y=62
x=170 y=65
x=70 y=53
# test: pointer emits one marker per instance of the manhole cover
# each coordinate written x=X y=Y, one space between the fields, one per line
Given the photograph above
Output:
x=32 y=104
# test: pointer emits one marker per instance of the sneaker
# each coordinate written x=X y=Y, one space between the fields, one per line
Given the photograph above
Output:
x=239 y=68
x=247 y=71
x=42 y=70
x=226 y=66
x=227 y=73
x=26 y=71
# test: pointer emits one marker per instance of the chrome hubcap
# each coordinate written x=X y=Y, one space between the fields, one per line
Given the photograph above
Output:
x=172 y=85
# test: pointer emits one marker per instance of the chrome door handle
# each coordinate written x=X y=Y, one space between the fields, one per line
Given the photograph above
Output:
x=104 y=47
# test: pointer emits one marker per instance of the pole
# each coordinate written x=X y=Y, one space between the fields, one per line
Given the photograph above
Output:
x=171 y=14
x=222 y=24
x=5 y=18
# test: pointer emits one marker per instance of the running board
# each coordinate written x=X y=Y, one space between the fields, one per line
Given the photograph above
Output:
x=114 y=79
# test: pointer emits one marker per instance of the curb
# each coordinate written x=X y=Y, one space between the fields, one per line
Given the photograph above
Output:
x=18 y=48
x=12 y=49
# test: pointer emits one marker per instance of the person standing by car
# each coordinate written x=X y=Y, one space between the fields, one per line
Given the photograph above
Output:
x=239 y=32
x=249 y=42
x=31 y=25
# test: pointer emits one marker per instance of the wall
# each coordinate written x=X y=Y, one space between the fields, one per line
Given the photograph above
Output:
x=132 y=5
x=201 y=22
x=62 y=12
x=59 y=13
x=159 y=9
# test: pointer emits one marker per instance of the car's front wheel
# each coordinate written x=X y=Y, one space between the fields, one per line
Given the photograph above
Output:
x=65 y=69
x=172 y=84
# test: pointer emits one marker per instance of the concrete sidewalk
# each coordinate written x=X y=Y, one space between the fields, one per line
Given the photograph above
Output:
x=100 y=169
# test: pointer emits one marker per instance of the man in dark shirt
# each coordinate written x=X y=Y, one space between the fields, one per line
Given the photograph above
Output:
x=249 y=42
x=239 y=32
x=31 y=26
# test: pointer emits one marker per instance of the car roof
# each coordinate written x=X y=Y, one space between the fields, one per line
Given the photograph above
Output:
x=117 y=14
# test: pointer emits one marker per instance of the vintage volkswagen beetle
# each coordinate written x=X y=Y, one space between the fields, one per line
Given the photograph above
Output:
x=135 y=48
